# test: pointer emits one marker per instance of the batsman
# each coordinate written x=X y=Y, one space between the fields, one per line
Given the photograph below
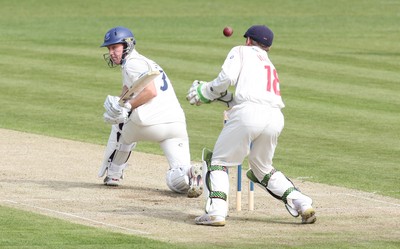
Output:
x=152 y=113
x=253 y=126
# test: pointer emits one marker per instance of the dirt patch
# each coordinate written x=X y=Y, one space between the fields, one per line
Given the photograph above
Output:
x=58 y=178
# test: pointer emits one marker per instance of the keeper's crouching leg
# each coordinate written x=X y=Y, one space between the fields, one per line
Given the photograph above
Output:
x=216 y=192
x=280 y=187
x=217 y=183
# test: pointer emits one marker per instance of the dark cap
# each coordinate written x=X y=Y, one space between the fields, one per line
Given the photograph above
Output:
x=261 y=34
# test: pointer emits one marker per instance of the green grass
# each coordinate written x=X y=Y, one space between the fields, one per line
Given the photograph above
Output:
x=338 y=63
x=28 y=230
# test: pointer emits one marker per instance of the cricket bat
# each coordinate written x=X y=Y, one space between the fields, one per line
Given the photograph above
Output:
x=138 y=86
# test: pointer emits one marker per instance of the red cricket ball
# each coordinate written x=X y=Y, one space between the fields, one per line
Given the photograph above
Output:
x=228 y=31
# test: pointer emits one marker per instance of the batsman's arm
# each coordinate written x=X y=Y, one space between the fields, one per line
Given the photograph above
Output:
x=138 y=86
x=143 y=97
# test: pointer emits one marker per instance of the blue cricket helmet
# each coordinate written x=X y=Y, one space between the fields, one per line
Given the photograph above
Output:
x=118 y=35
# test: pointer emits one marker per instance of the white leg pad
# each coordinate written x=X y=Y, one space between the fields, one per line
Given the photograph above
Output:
x=111 y=145
x=103 y=168
x=115 y=151
x=282 y=188
x=124 y=147
x=122 y=153
x=219 y=183
x=278 y=184
x=299 y=201
x=204 y=168
x=116 y=171
x=178 y=180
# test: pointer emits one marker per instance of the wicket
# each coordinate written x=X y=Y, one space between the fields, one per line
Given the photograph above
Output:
x=239 y=191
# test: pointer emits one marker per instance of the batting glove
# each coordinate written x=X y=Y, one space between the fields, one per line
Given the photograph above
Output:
x=112 y=106
x=122 y=118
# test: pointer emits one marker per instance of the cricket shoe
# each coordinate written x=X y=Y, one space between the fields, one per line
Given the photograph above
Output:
x=210 y=220
x=308 y=216
x=112 y=181
x=195 y=181
x=115 y=174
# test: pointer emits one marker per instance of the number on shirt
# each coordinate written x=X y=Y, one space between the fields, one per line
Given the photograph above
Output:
x=164 y=87
x=272 y=84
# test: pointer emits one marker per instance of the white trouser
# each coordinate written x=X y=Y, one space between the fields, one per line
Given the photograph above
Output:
x=172 y=137
x=251 y=130
x=248 y=125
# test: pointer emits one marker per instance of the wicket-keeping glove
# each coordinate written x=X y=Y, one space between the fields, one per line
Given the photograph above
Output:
x=195 y=94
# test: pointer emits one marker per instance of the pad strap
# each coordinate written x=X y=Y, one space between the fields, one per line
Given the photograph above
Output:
x=265 y=181
x=287 y=192
x=266 y=178
x=217 y=167
x=218 y=194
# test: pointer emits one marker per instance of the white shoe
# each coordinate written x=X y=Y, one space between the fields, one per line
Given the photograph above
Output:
x=115 y=174
x=308 y=216
x=210 y=220
x=195 y=181
x=112 y=180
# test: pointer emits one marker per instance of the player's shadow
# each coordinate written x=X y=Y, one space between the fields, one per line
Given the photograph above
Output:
x=186 y=216
x=266 y=219
x=57 y=185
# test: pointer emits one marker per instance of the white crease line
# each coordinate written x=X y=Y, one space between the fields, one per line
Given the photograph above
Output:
x=370 y=199
x=79 y=217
